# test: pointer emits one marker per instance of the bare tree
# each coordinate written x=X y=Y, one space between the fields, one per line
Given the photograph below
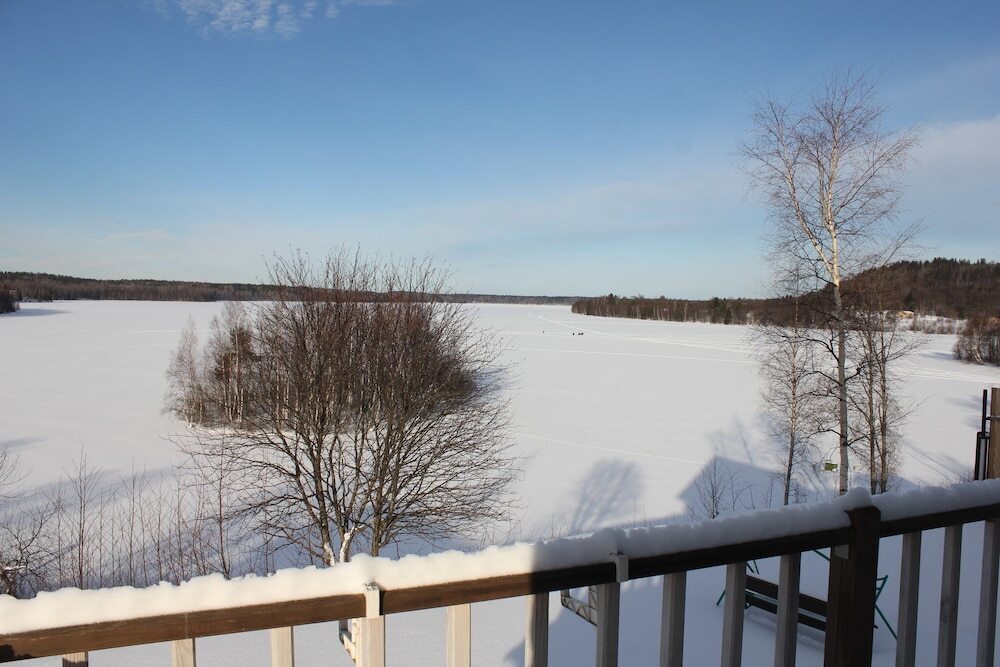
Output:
x=719 y=489
x=979 y=340
x=790 y=391
x=183 y=397
x=25 y=551
x=830 y=172
x=365 y=409
x=875 y=399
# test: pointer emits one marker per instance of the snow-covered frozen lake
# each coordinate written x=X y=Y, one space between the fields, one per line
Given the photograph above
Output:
x=615 y=421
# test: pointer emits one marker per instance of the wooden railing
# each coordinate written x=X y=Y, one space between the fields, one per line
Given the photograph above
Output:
x=850 y=612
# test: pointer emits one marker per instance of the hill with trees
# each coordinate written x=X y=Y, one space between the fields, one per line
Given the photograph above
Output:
x=50 y=287
x=953 y=288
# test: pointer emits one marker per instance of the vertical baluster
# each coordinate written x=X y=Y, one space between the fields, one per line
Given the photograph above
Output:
x=459 y=641
x=948 y=626
x=370 y=642
x=182 y=653
x=607 y=600
x=909 y=594
x=369 y=632
x=75 y=660
x=282 y=647
x=732 y=616
x=536 y=640
x=988 y=594
x=672 y=620
x=786 y=638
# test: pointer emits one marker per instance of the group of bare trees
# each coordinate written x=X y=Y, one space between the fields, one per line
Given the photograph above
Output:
x=354 y=411
x=90 y=530
x=979 y=341
x=831 y=173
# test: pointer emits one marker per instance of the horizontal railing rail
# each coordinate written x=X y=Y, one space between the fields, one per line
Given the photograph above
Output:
x=81 y=638
x=154 y=629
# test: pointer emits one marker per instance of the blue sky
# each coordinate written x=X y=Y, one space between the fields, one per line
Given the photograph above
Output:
x=533 y=147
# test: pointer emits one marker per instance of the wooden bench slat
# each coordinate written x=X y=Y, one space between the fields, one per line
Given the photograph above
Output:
x=770 y=589
x=763 y=594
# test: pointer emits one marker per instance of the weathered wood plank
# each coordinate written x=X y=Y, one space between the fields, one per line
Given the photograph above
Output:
x=182 y=653
x=786 y=638
x=986 y=642
x=851 y=591
x=371 y=642
x=607 y=604
x=672 y=620
x=909 y=596
x=458 y=647
x=536 y=638
x=283 y=647
x=950 y=574
x=155 y=629
x=939 y=520
x=72 y=639
x=732 y=615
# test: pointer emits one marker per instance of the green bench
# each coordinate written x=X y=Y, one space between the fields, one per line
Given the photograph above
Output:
x=763 y=594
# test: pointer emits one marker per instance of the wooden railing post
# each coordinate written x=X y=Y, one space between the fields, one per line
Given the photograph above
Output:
x=283 y=647
x=988 y=594
x=536 y=638
x=458 y=648
x=909 y=595
x=951 y=570
x=851 y=606
x=182 y=653
x=370 y=644
x=607 y=601
x=732 y=614
x=672 y=620
x=786 y=638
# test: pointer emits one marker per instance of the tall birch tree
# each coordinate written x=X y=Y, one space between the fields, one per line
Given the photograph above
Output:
x=830 y=171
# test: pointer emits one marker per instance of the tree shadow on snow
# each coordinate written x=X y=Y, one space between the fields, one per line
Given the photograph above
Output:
x=725 y=485
x=608 y=492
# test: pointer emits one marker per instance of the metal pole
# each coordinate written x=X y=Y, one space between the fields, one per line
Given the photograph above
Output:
x=993 y=467
x=982 y=445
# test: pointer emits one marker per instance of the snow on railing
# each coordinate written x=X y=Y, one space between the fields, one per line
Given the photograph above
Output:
x=92 y=619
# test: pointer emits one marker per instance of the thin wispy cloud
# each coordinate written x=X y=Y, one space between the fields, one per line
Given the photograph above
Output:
x=258 y=18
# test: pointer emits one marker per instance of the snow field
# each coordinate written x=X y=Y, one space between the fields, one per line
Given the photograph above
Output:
x=615 y=427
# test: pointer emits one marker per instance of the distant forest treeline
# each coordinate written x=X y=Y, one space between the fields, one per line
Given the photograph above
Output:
x=954 y=288
x=50 y=287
